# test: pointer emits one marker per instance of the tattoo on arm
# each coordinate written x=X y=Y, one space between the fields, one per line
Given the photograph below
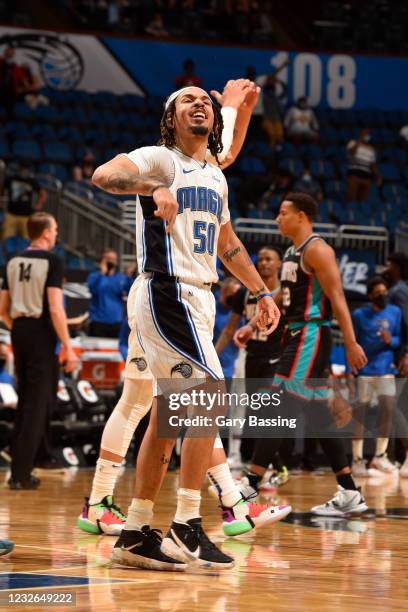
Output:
x=229 y=255
x=164 y=460
x=126 y=182
x=259 y=291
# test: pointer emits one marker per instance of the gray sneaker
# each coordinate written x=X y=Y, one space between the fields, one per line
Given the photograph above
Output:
x=343 y=503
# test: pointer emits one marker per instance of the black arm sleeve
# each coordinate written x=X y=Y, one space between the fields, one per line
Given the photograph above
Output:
x=55 y=272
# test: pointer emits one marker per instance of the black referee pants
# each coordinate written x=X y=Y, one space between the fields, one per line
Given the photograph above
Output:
x=34 y=342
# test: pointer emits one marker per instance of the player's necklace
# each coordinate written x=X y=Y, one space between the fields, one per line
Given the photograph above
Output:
x=202 y=164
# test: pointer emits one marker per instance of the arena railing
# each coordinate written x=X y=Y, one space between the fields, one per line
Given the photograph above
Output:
x=255 y=232
x=86 y=228
x=401 y=237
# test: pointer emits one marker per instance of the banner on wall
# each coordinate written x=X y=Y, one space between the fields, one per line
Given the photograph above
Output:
x=336 y=81
x=68 y=61
x=356 y=268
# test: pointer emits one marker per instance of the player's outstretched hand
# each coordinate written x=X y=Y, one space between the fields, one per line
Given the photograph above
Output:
x=234 y=93
x=243 y=335
x=356 y=357
x=167 y=207
x=269 y=315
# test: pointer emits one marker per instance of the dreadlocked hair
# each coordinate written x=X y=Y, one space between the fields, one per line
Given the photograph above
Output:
x=167 y=136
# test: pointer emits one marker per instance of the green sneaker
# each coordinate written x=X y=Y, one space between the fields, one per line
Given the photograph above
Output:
x=245 y=516
x=103 y=517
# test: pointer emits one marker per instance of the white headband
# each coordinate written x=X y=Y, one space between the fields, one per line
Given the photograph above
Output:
x=177 y=93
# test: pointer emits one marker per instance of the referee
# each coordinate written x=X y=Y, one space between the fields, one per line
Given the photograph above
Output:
x=31 y=305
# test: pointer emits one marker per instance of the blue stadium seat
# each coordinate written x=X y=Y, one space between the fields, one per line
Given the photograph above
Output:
x=47 y=114
x=23 y=111
x=288 y=150
x=58 y=151
x=57 y=170
x=253 y=165
x=71 y=135
x=294 y=166
x=322 y=168
x=389 y=172
x=27 y=149
x=5 y=152
x=44 y=131
x=337 y=153
x=311 y=151
x=14 y=244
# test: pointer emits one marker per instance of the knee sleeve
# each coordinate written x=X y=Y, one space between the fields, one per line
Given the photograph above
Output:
x=133 y=405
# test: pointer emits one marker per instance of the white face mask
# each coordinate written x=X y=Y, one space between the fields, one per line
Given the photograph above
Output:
x=367 y=138
x=307 y=178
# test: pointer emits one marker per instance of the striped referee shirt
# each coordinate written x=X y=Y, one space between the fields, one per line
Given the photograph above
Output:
x=28 y=275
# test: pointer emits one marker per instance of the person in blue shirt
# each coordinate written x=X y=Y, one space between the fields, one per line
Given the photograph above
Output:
x=108 y=287
x=378 y=330
x=230 y=353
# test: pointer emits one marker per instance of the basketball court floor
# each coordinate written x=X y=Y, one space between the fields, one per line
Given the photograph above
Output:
x=306 y=563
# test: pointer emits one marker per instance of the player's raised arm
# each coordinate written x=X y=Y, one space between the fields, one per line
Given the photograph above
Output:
x=320 y=258
x=237 y=100
x=235 y=257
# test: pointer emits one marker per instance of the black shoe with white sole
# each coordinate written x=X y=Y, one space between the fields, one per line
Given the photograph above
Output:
x=189 y=542
x=142 y=549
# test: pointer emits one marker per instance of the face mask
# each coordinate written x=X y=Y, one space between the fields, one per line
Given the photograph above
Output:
x=380 y=300
x=302 y=105
x=387 y=277
x=367 y=138
x=307 y=178
x=2 y=364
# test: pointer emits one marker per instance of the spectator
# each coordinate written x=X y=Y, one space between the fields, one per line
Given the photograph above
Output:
x=300 y=123
x=156 y=26
x=308 y=184
x=361 y=167
x=5 y=357
x=188 y=77
x=229 y=354
x=396 y=277
x=30 y=88
x=280 y=185
x=108 y=287
x=272 y=112
x=24 y=196
x=85 y=170
x=378 y=330
x=11 y=79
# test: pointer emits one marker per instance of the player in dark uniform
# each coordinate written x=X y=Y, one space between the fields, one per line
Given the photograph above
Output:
x=262 y=356
x=310 y=289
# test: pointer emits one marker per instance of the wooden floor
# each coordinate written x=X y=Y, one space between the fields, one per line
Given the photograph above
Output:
x=309 y=564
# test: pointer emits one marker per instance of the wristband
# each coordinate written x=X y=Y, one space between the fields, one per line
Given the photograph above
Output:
x=259 y=297
x=158 y=187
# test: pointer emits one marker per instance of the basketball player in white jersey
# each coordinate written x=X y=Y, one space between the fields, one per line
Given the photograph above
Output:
x=183 y=219
x=100 y=515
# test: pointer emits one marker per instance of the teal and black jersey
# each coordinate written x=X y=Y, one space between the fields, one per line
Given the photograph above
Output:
x=303 y=299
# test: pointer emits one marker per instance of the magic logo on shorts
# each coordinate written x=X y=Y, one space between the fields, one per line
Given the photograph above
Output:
x=182 y=368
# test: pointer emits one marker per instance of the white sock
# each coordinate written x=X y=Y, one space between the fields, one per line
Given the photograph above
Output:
x=105 y=477
x=381 y=446
x=357 y=446
x=140 y=513
x=221 y=477
x=188 y=505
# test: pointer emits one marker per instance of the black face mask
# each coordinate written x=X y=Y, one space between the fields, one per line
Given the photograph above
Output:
x=387 y=277
x=2 y=364
x=380 y=300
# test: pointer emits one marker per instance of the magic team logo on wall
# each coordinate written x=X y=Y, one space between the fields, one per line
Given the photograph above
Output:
x=60 y=64
x=68 y=61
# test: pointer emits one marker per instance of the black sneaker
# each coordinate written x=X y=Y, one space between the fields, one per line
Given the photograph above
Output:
x=189 y=542
x=32 y=482
x=142 y=549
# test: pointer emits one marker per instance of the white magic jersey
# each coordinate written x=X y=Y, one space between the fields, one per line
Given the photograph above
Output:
x=190 y=251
